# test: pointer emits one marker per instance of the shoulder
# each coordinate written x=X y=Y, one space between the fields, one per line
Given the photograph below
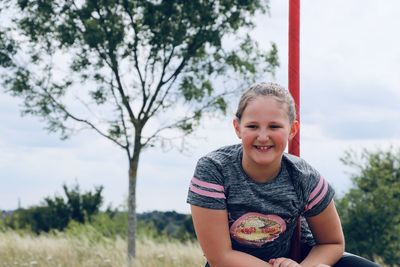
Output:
x=207 y=187
x=222 y=156
x=304 y=177
x=314 y=190
x=216 y=164
x=298 y=167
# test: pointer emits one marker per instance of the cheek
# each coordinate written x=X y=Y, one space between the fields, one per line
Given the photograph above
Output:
x=247 y=138
x=248 y=135
x=281 y=137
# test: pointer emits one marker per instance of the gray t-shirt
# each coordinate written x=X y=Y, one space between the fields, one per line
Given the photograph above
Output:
x=262 y=216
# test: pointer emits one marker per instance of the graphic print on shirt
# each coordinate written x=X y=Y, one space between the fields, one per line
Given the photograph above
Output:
x=256 y=229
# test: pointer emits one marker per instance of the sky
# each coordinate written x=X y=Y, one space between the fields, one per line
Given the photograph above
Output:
x=350 y=100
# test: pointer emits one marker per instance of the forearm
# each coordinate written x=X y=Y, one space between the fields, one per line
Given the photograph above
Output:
x=323 y=253
x=328 y=234
x=235 y=258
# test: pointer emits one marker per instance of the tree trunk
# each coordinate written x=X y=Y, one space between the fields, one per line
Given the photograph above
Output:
x=133 y=168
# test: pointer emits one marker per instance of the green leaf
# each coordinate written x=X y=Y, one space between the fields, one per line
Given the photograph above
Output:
x=99 y=95
x=221 y=104
x=115 y=131
x=186 y=127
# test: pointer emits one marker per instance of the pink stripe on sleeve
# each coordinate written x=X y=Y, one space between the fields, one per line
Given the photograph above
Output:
x=207 y=185
x=317 y=188
x=319 y=198
x=207 y=193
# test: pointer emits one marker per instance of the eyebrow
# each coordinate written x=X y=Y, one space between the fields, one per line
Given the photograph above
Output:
x=276 y=122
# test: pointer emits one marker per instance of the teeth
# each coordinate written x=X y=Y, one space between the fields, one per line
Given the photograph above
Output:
x=263 y=147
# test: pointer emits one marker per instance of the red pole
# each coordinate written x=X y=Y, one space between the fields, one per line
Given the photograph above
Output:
x=294 y=66
x=294 y=88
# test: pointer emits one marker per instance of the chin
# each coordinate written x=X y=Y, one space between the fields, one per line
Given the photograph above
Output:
x=264 y=162
x=267 y=161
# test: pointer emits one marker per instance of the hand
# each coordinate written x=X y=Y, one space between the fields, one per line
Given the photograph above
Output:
x=322 y=265
x=285 y=262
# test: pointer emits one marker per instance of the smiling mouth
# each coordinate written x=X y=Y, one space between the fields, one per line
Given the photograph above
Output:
x=264 y=148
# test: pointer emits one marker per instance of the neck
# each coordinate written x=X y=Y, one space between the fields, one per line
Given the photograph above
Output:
x=261 y=173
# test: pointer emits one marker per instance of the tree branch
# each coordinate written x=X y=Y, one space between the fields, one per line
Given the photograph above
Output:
x=161 y=102
x=192 y=47
x=183 y=120
x=114 y=67
x=122 y=120
x=70 y=115
x=136 y=60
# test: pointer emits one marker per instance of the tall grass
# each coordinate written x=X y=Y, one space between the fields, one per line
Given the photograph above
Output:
x=90 y=250
x=65 y=250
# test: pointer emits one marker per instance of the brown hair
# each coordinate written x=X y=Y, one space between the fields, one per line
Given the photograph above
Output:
x=267 y=89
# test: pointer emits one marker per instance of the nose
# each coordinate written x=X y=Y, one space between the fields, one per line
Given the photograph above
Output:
x=263 y=136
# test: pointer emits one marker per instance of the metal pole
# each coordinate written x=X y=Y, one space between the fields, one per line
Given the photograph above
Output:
x=294 y=88
x=294 y=66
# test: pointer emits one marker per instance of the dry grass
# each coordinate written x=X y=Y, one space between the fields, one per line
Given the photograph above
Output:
x=63 y=251
x=60 y=250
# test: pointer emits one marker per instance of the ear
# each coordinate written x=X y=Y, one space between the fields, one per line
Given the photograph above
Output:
x=294 y=129
x=236 y=125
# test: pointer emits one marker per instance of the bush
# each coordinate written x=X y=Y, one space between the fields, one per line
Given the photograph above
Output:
x=110 y=225
x=369 y=211
x=78 y=213
x=170 y=224
x=56 y=213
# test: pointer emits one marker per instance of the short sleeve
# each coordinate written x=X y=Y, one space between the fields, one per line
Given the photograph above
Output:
x=206 y=187
x=318 y=194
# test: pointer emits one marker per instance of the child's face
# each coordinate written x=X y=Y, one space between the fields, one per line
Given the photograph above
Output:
x=265 y=130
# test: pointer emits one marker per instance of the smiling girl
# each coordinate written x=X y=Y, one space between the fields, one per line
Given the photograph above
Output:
x=246 y=198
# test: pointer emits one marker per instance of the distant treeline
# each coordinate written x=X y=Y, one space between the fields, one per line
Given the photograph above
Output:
x=169 y=223
x=61 y=213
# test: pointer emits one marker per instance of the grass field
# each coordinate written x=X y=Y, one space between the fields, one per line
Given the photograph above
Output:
x=60 y=250
x=92 y=250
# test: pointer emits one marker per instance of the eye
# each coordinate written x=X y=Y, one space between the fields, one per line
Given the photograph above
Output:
x=251 y=126
x=275 y=126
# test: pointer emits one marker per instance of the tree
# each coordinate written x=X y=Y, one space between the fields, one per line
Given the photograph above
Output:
x=57 y=212
x=369 y=211
x=144 y=72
